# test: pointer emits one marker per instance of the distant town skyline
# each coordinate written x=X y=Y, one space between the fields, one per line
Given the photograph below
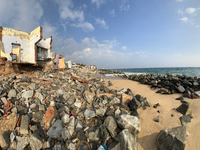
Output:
x=113 y=33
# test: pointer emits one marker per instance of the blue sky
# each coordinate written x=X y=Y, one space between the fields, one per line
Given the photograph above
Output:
x=113 y=33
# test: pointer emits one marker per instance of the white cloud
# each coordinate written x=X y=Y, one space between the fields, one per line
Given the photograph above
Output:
x=180 y=12
x=179 y=0
x=112 y=13
x=85 y=26
x=48 y=30
x=197 y=26
x=122 y=7
x=124 y=47
x=22 y=14
x=66 y=12
x=102 y=23
x=190 y=10
x=98 y=2
x=184 y=19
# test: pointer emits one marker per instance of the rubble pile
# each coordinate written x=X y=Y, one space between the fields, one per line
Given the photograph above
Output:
x=67 y=109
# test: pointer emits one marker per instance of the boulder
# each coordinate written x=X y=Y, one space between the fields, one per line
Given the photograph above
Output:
x=89 y=114
x=55 y=130
x=4 y=141
x=111 y=125
x=89 y=97
x=172 y=138
x=127 y=140
x=129 y=122
x=184 y=109
x=181 y=89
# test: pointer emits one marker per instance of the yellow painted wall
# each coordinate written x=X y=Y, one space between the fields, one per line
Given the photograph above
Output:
x=15 y=33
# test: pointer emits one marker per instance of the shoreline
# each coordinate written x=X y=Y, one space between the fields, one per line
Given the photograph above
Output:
x=147 y=138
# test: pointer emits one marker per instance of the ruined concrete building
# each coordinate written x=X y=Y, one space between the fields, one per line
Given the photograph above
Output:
x=22 y=47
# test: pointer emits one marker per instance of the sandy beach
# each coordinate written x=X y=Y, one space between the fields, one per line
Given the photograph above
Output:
x=169 y=117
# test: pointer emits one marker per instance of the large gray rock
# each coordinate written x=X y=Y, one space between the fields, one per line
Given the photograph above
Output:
x=127 y=140
x=36 y=142
x=114 y=146
x=184 y=109
x=181 y=89
x=79 y=125
x=129 y=122
x=172 y=138
x=197 y=93
x=89 y=114
x=22 y=142
x=56 y=129
x=111 y=125
x=28 y=94
x=100 y=111
x=65 y=134
x=88 y=96
x=93 y=133
x=114 y=101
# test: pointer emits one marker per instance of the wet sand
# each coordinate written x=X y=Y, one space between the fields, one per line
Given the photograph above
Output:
x=147 y=138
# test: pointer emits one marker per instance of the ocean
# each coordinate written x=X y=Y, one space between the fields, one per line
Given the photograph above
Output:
x=189 y=71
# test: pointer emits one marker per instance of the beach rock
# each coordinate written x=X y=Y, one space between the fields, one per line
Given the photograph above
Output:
x=65 y=134
x=24 y=124
x=71 y=125
x=127 y=140
x=126 y=98
x=185 y=119
x=89 y=114
x=181 y=89
x=114 y=146
x=114 y=101
x=135 y=113
x=55 y=130
x=156 y=105
x=93 y=133
x=172 y=138
x=184 y=109
x=12 y=93
x=22 y=142
x=129 y=122
x=4 y=141
x=197 y=93
x=163 y=91
x=28 y=94
x=8 y=124
x=22 y=110
x=79 y=125
x=48 y=117
x=36 y=142
x=89 y=97
x=180 y=98
x=134 y=104
x=100 y=111
x=111 y=125
x=157 y=119
x=145 y=103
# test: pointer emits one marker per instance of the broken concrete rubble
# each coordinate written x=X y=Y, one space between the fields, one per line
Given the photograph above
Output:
x=66 y=109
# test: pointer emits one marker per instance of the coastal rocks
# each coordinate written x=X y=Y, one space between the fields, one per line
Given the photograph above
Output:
x=172 y=138
x=55 y=130
x=127 y=140
x=184 y=109
x=66 y=109
x=111 y=125
x=129 y=122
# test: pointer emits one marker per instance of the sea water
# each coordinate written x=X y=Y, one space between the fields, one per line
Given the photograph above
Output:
x=189 y=71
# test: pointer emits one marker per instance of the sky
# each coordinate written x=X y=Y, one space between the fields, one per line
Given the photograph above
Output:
x=113 y=33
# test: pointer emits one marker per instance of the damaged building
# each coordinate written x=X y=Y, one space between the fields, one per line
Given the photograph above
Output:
x=21 y=47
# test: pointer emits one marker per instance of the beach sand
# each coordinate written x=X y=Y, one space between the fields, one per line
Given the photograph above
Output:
x=147 y=138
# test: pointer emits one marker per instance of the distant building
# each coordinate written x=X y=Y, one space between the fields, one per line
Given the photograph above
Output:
x=22 y=47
